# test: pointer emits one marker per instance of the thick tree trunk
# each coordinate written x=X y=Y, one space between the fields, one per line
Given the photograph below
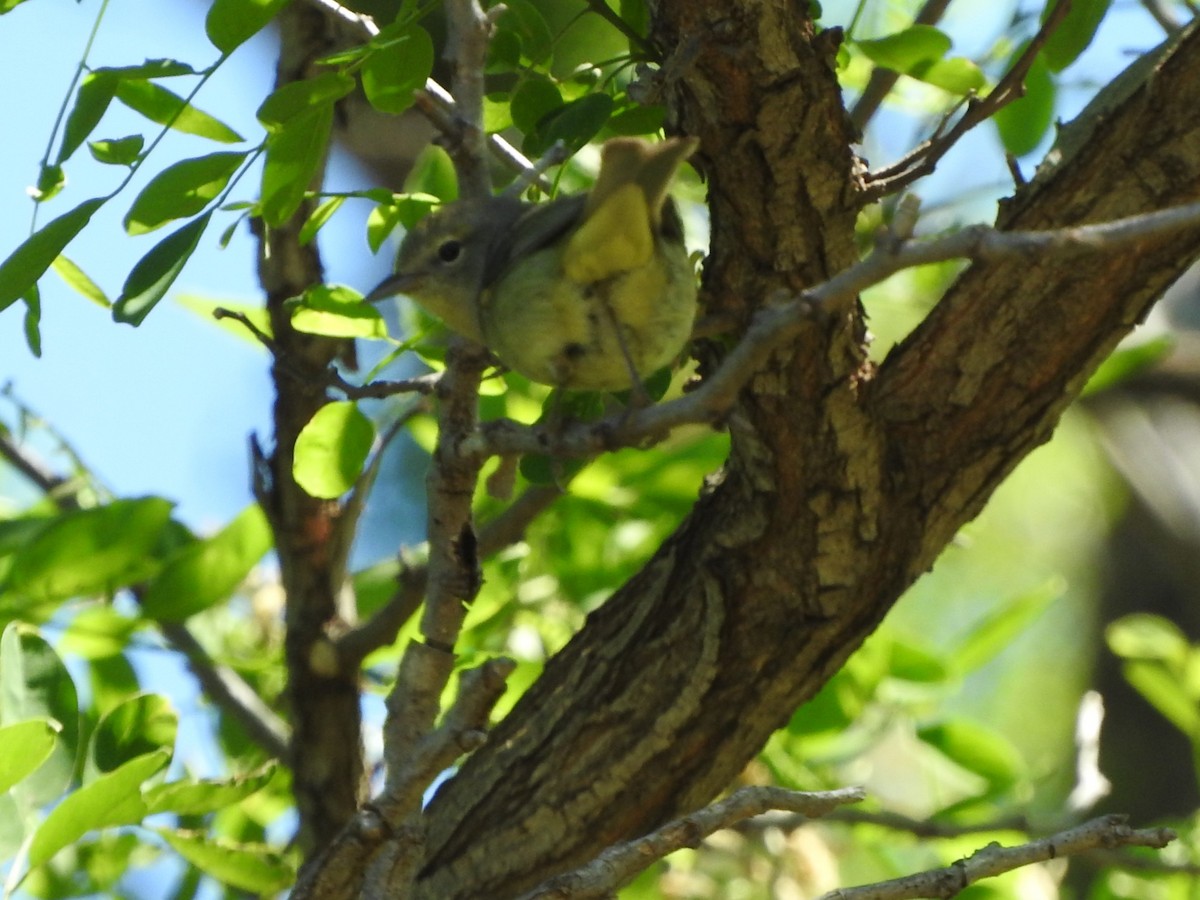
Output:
x=842 y=485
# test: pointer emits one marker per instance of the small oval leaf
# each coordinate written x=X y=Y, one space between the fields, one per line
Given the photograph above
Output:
x=332 y=449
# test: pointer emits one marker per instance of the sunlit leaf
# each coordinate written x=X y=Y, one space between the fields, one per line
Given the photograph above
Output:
x=1075 y=32
x=207 y=572
x=118 y=151
x=163 y=107
x=905 y=49
x=1149 y=637
x=24 y=746
x=248 y=867
x=181 y=190
x=1024 y=122
x=294 y=155
x=34 y=684
x=977 y=749
x=92 y=551
x=322 y=214
x=112 y=799
x=134 y=728
x=30 y=261
x=331 y=450
x=230 y=23
x=998 y=629
x=336 y=311
x=206 y=306
x=296 y=99
x=397 y=68
x=96 y=91
x=78 y=279
x=155 y=272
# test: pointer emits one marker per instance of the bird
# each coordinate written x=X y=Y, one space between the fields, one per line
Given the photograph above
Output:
x=592 y=291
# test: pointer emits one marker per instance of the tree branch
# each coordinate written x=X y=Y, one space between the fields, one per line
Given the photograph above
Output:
x=1105 y=832
x=620 y=864
x=778 y=324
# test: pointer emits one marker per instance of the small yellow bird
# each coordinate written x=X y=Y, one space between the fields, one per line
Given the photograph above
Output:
x=588 y=292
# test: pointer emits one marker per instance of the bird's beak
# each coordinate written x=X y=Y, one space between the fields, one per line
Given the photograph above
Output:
x=399 y=283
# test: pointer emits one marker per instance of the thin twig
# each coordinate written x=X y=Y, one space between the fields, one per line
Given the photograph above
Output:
x=1105 y=832
x=923 y=159
x=620 y=863
x=775 y=325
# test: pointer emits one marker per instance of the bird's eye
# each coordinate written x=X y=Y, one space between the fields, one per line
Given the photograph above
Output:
x=449 y=251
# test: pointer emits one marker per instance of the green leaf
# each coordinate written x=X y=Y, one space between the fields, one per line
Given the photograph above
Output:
x=638 y=119
x=34 y=684
x=1024 y=122
x=24 y=746
x=98 y=631
x=78 y=279
x=230 y=23
x=1075 y=32
x=296 y=99
x=198 y=798
x=7 y=6
x=249 y=867
x=92 y=551
x=155 y=272
x=902 y=51
x=997 y=630
x=30 y=261
x=575 y=124
x=117 y=151
x=95 y=93
x=181 y=190
x=294 y=156
x=205 y=307
x=1126 y=362
x=1148 y=637
x=33 y=320
x=151 y=68
x=532 y=101
x=433 y=174
x=910 y=662
x=977 y=749
x=112 y=799
x=51 y=180
x=331 y=450
x=403 y=209
x=1165 y=692
x=139 y=726
x=523 y=19
x=398 y=67
x=957 y=75
x=336 y=311
x=165 y=108
x=207 y=572
x=322 y=214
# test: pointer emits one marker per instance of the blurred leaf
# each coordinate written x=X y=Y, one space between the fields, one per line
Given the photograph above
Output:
x=957 y=75
x=139 y=726
x=78 y=279
x=34 y=684
x=230 y=23
x=522 y=18
x=1075 y=32
x=977 y=749
x=92 y=551
x=403 y=209
x=98 y=631
x=912 y=663
x=207 y=572
x=336 y=311
x=196 y=798
x=634 y=14
x=117 y=151
x=96 y=91
x=155 y=272
x=322 y=214
x=24 y=746
x=532 y=101
x=112 y=680
x=636 y=119
x=998 y=629
x=398 y=67
x=294 y=156
x=433 y=174
x=249 y=867
x=33 y=320
x=205 y=307
x=29 y=262
x=112 y=799
x=1125 y=362
x=906 y=49
x=181 y=190
x=297 y=99
x=574 y=124
x=331 y=450
x=1166 y=693
x=166 y=108
x=1146 y=636
x=151 y=68
x=1024 y=122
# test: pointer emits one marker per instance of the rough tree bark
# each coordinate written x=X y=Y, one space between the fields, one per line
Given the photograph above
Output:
x=843 y=483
